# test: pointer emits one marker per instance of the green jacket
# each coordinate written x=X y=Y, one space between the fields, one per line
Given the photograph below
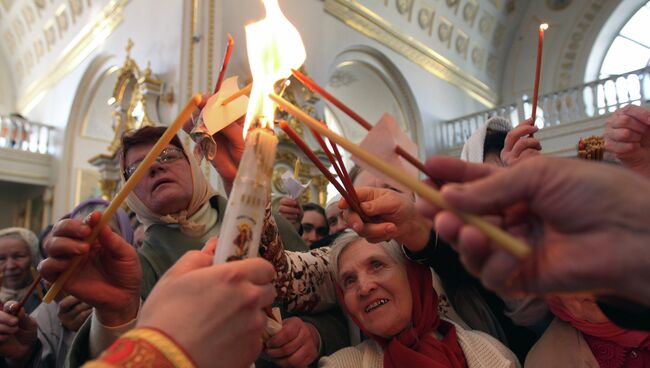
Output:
x=164 y=245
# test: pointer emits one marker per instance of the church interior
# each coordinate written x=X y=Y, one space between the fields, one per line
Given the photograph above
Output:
x=320 y=161
x=440 y=67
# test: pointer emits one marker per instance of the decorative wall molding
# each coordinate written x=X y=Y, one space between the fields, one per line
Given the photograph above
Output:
x=372 y=25
x=90 y=36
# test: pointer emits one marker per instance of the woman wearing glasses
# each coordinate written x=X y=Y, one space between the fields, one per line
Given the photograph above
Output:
x=180 y=212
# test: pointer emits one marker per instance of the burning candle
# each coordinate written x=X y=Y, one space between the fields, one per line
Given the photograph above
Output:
x=274 y=47
x=538 y=69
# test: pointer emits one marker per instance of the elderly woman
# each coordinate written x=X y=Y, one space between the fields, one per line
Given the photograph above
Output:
x=393 y=302
x=180 y=212
x=57 y=322
x=18 y=260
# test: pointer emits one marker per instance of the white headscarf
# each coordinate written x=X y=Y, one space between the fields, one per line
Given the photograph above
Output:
x=28 y=237
x=473 y=148
x=196 y=219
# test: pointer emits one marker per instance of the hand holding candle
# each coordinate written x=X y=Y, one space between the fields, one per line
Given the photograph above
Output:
x=126 y=189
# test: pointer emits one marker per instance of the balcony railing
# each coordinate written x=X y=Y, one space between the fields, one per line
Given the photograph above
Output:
x=24 y=135
x=586 y=101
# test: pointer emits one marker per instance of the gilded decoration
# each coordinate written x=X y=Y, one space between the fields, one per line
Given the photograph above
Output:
x=451 y=41
x=135 y=98
x=288 y=152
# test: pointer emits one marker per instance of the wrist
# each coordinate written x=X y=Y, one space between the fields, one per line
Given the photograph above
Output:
x=416 y=238
x=125 y=313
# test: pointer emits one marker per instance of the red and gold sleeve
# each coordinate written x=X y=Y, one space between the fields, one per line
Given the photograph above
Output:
x=143 y=347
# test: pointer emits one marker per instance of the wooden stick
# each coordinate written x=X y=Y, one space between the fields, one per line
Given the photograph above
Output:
x=237 y=94
x=142 y=169
x=15 y=308
x=224 y=63
x=309 y=83
x=515 y=246
x=315 y=87
x=317 y=162
x=538 y=72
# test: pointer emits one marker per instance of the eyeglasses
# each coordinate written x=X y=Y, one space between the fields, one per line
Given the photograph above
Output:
x=168 y=155
x=322 y=231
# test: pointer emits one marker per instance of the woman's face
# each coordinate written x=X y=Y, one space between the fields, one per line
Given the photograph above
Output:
x=167 y=187
x=375 y=288
x=15 y=262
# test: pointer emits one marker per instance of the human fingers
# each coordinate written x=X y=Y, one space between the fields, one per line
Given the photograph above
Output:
x=301 y=357
x=448 y=226
x=526 y=144
x=619 y=148
x=368 y=193
x=622 y=135
x=517 y=133
x=223 y=161
x=450 y=169
x=290 y=330
x=256 y=270
x=70 y=228
x=289 y=202
x=474 y=249
x=498 y=270
x=50 y=268
x=637 y=112
x=210 y=246
x=385 y=205
x=8 y=321
x=293 y=210
x=353 y=220
x=619 y=120
x=497 y=192
x=376 y=233
x=190 y=261
x=115 y=244
x=68 y=303
x=66 y=247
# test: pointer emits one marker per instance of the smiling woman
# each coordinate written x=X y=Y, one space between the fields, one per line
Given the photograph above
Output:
x=393 y=301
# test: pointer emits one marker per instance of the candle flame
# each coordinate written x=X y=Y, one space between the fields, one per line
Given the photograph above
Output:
x=274 y=48
x=543 y=26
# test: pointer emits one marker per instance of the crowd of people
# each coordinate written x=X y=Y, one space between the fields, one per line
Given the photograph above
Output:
x=416 y=287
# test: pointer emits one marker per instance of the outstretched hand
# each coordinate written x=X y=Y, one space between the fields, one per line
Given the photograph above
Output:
x=108 y=278
x=587 y=236
x=627 y=136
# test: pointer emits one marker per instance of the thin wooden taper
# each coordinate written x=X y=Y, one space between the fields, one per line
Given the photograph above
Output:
x=515 y=246
x=115 y=204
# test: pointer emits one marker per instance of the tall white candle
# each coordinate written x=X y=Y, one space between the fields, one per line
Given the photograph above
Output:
x=241 y=229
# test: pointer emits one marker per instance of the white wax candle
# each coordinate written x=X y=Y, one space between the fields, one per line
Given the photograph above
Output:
x=241 y=229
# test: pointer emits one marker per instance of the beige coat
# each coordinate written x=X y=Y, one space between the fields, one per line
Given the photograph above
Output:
x=561 y=346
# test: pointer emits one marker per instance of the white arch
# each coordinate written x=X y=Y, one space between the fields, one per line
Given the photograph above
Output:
x=65 y=175
x=608 y=32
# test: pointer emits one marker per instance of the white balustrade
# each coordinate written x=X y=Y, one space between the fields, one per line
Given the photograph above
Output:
x=587 y=101
x=24 y=135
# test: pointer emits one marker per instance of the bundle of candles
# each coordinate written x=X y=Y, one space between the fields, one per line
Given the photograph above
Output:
x=591 y=148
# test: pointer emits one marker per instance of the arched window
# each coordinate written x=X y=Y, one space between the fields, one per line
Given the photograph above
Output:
x=630 y=49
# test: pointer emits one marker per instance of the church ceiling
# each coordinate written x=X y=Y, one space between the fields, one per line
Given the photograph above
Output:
x=42 y=40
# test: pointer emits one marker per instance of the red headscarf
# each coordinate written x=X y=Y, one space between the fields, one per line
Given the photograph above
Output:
x=609 y=343
x=417 y=346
